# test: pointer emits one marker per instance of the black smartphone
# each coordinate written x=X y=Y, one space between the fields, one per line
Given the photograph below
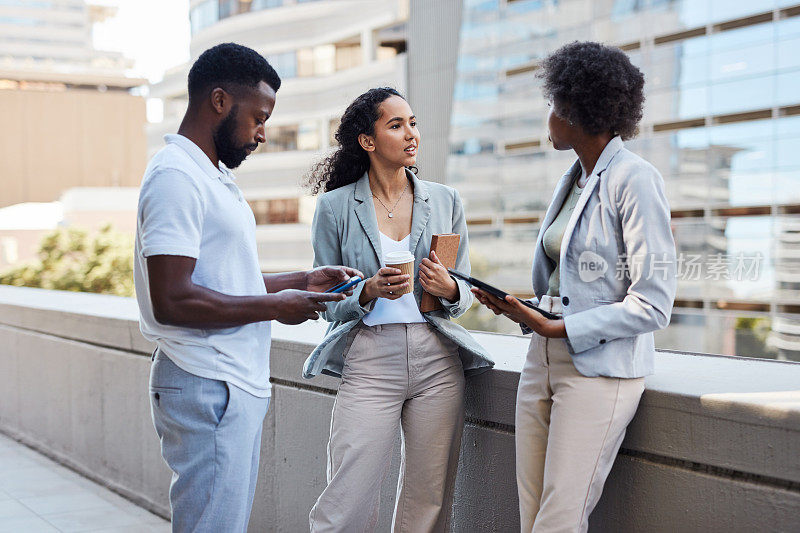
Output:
x=494 y=291
x=346 y=285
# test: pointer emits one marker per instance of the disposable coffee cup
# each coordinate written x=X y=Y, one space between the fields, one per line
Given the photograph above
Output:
x=405 y=262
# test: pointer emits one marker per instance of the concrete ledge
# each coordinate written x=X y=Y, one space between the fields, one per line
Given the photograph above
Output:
x=713 y=447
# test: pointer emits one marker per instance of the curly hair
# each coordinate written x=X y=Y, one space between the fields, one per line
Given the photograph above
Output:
x=596 y=87
x=349 y=161
x=229 y=66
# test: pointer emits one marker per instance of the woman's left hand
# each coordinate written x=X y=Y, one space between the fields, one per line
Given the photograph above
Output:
x=514 y=309
x=435 y=279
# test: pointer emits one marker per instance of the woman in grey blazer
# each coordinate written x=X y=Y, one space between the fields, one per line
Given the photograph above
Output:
x=400 y=369
x=605 y=262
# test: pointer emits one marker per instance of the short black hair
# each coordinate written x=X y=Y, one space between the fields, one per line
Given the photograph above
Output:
x=229 y=65
x=596 y=87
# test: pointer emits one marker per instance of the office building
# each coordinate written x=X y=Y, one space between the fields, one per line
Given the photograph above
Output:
x=327 y=52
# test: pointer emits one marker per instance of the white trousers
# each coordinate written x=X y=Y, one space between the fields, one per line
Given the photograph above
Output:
x=396 y=377
x=569 y=428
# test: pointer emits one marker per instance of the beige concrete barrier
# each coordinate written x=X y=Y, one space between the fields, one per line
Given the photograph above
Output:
x=714 y=446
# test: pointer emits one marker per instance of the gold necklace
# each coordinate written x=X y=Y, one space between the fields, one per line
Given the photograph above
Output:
x=391 y=215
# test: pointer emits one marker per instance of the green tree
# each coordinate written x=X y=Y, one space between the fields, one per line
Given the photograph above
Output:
x=73 y=260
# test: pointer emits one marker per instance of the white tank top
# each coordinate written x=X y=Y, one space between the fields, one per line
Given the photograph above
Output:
x=404 y=310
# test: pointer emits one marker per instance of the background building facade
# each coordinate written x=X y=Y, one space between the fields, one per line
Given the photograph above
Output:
x=68 y=117
x=327 y=52
x=73 y=137
x=722 y=124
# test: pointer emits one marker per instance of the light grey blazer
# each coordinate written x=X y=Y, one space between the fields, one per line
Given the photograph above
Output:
x=621 y=223
x=345 y=232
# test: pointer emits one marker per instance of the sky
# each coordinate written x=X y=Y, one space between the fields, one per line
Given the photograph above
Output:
x=154 y=33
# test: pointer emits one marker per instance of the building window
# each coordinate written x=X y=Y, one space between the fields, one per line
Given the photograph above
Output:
x=258 y=5
x=317 y=61
x=348 y=56
x=305 y=62
x=276 y=211
x=285 y=64
x=308 y=137
x=204 y=15
x=228 y=8
x=324 y=59
x=333 y=125
x=280 y=139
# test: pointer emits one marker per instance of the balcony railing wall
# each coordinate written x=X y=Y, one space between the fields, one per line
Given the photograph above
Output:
x=713 y=447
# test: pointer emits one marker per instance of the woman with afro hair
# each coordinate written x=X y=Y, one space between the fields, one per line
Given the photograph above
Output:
x=402 y=369
x=604 y=262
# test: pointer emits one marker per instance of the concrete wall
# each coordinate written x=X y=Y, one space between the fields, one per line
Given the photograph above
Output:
x=713 y=447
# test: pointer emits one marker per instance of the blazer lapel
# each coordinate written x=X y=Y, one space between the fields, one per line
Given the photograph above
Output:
x=573 y=219
x=611 y=149
x=365 y=211
x=562 y=190
x=421 y=211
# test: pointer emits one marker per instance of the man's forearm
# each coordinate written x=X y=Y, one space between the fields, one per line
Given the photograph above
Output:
x=285 y=280
x=204 y=308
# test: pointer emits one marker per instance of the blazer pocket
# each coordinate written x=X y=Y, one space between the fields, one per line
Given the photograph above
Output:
x=166 y=390
x=606 y=301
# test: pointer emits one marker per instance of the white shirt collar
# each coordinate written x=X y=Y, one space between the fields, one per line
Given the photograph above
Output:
x=199 y=157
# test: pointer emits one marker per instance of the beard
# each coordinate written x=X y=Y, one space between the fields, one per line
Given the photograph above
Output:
x=229 y=152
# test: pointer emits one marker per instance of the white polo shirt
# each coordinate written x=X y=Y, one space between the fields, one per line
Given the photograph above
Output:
x=191 y=208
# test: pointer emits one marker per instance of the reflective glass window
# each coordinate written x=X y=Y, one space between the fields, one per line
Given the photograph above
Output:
x=285 y=64
x=265 y=4
x=204 y=14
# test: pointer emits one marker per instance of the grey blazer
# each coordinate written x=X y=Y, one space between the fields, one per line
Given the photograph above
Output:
x=345 y=232
x=617 y=264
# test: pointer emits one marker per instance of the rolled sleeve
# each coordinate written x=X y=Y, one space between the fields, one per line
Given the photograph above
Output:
x=465 y=296
x=171 y=212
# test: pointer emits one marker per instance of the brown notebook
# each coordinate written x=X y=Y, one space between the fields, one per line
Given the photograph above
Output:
x=446 y=247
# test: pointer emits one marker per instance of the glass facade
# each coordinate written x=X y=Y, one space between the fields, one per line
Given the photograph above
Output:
x=721 y=123
x=208 y=12
x=204 y=15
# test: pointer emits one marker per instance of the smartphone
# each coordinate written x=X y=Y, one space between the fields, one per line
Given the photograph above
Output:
x=346 y=285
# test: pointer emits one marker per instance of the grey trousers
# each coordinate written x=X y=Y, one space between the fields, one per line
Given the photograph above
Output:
x=403 y=377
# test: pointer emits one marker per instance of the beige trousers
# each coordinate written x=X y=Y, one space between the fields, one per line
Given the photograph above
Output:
x=569 y=428
x=396 y=377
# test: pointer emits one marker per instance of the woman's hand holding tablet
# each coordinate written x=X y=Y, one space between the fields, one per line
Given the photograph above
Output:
x=497 y=293
x=542 y=322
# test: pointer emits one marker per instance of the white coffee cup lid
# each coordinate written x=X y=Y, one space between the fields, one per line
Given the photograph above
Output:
x=396 y=258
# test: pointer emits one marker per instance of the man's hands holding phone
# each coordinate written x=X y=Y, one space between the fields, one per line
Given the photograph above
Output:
x=323 y=278
x=297 y=306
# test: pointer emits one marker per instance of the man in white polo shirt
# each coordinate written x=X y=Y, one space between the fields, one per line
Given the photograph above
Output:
x=203 y=299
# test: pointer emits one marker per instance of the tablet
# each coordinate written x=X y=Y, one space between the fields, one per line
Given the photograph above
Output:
x=494 y=291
